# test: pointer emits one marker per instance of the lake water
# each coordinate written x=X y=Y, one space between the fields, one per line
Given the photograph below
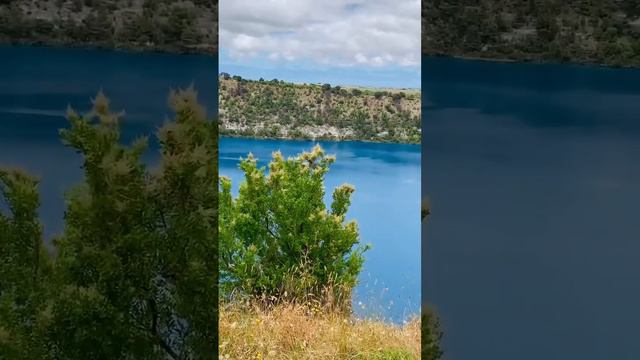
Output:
x=386 y=205
x=532 y=248
x=37 y=84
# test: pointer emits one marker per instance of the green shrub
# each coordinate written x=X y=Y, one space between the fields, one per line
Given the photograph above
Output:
x=278 y=241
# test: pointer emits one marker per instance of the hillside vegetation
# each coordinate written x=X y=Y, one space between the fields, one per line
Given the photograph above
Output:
x=276 y=109
x=590 y=31
x=166 y=25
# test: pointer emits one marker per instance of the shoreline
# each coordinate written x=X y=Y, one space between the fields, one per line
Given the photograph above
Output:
x=205 y=50
x=585 y=63
x=232 y=136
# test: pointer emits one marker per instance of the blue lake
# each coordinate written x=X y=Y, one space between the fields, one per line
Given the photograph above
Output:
x=532 y=248
x=37 y=84
x=386 y=205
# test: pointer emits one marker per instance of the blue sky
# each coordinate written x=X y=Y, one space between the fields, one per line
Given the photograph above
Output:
x=342 y=42
x=309 y=72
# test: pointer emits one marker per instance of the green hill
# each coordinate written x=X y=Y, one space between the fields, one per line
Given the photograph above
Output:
x=589 y=31
x=165 y=25
x=275 y=109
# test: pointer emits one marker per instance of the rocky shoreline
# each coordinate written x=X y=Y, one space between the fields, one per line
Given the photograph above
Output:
x=528 y=60
x=136 y=48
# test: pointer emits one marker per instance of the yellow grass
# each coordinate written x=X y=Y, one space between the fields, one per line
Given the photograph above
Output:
x=292 y=332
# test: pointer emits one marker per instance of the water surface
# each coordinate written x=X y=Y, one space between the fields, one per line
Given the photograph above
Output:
x=38 y=83
x=532 y=248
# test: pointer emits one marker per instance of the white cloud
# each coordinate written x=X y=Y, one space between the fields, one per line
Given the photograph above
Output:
x=336 y=32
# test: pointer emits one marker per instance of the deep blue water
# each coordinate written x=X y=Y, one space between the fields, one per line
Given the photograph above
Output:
x=532 y=248
x=37 y=84
x=386 y=205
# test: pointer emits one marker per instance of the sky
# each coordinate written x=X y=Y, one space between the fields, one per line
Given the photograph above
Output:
x=341 y=42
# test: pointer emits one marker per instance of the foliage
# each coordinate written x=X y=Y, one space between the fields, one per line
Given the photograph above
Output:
x=135 y=275
x=278 y=241
x=275 y=109
x=149 y=24
x=605 y=32
x=425 y=208
x=431 y=336
x=23 y=265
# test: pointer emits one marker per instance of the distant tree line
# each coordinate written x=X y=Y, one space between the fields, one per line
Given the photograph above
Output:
x=277 y=109
x=150 y=24
x=604 y=31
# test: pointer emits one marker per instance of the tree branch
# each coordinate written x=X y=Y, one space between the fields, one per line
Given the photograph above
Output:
x=154 y=331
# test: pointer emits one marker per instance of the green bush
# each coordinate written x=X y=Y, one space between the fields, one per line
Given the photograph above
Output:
x=278 y=241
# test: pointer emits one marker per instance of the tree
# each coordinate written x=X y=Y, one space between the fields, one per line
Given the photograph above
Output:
x=361 y=125
x=98 y=26
x=279 y=241
x=425 y=208
x=431 y=336
x=136 y=271
x=547 y=27
x=24 y=266
x=190 y=35
x=138 y=29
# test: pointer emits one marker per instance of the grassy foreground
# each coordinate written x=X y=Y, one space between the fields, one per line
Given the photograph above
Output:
x=295 y=332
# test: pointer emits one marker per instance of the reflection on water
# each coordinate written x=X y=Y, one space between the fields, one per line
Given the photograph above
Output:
x=531 y=247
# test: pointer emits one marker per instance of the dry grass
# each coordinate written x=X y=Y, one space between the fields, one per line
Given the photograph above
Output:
x=290 y=332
